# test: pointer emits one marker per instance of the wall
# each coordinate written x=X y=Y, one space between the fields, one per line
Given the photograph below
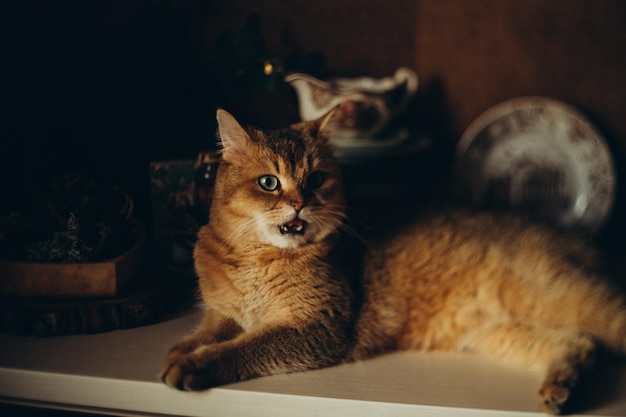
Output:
x=483 y=51
x=112 y=85
x=469 y=54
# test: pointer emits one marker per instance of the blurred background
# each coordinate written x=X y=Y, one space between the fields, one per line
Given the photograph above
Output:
x=106 y=87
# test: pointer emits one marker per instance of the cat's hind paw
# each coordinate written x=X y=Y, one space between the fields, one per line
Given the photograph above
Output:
x=559 y=392
x=553 y=398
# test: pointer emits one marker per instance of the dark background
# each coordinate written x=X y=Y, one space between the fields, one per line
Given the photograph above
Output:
x=107 y=86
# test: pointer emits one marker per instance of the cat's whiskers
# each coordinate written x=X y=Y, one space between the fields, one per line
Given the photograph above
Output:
x=235 y=236
x=352 y=232
x=344 y=221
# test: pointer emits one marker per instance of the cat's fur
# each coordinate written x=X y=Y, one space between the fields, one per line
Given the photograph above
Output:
x=271 y=268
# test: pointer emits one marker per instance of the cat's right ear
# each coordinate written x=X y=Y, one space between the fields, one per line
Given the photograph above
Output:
x=233 y=138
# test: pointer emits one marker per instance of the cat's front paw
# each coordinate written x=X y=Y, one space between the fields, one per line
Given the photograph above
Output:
x=195 y=372
x=173 y=374
x=182 y=348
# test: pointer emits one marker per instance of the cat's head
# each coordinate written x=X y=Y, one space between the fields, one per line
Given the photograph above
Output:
x=281 y=188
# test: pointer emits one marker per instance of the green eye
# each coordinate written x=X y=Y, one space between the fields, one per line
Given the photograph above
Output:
x=315 y=180
x=269 y=183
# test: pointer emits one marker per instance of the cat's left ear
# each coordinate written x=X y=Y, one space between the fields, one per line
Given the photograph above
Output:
x=233 y=137
x=325 y=125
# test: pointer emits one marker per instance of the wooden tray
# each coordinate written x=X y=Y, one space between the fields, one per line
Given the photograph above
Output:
x=155 y=294
x=90 y=279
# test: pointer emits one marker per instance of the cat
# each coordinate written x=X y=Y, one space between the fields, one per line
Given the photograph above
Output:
x=284 y=291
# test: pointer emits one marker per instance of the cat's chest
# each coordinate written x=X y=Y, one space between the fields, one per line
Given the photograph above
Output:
x=259 y=294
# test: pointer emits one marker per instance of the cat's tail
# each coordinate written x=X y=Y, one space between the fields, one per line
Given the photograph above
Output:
x=577 y=299
x=611 y=323
x=601 y=311
x=573 y=290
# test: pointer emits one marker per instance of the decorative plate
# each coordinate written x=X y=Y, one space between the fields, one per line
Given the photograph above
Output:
x=537 y=156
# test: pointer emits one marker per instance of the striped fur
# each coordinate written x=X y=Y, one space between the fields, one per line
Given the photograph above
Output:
x=271 y=274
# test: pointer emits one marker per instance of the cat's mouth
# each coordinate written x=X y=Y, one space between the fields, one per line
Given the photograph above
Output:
x=293 y=227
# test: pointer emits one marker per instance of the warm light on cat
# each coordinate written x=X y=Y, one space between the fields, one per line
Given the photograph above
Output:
x=275 y=266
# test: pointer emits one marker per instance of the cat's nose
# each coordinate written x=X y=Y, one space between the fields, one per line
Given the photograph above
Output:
x=297 y=205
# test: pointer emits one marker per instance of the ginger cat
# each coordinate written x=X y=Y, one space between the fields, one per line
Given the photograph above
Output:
x=275 y=274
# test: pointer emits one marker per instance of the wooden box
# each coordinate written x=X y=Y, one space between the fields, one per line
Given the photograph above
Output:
x=89 y=279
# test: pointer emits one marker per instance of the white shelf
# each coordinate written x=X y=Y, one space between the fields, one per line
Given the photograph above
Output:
x=116 y=373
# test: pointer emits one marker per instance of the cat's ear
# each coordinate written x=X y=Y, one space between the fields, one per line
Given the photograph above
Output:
x=325 y=125
x=233 y=137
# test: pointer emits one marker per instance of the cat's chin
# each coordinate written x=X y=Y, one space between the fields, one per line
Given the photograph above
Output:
x=290 y=240
x=289 y=243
